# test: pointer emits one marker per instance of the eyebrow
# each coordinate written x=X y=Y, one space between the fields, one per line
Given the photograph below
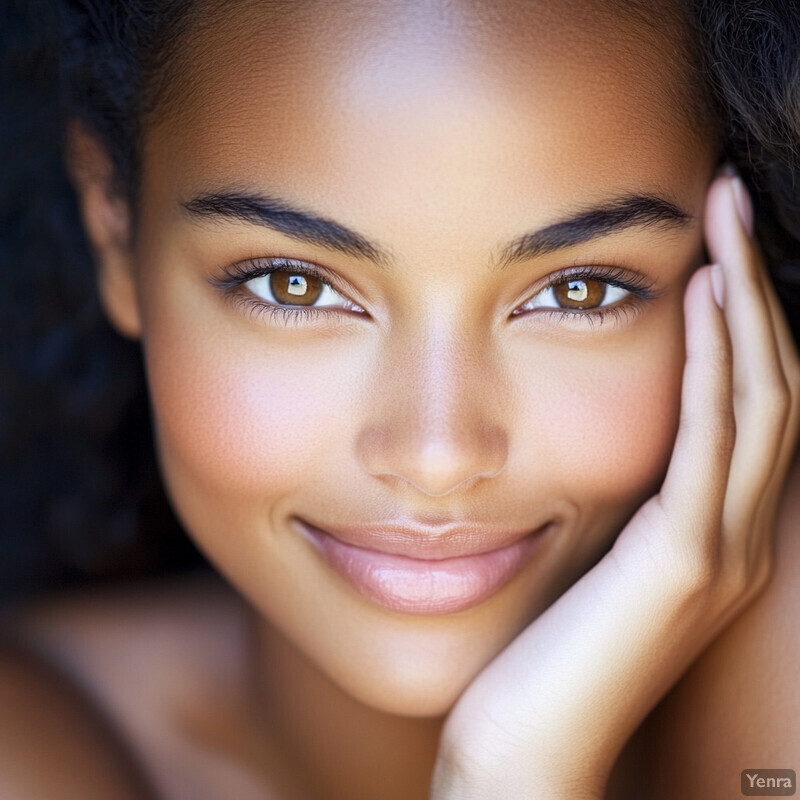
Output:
x=631 y=211
x=283 y=218
x=637 y=210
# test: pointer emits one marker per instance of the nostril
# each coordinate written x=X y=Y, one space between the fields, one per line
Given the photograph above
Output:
x=434 y=466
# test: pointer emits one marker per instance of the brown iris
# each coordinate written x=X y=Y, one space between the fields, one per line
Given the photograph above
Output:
x=580 y=293
x=294 y=288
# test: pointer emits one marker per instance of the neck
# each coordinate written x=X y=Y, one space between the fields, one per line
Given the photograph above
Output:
x=343 y=749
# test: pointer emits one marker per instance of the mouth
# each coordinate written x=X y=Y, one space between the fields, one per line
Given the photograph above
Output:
x=409 y=571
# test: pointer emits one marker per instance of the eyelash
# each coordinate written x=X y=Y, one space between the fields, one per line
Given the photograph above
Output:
x=236 y=275
x=637 y=284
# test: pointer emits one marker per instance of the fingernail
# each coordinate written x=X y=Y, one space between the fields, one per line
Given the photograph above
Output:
x=743 y=204
x=717 y=284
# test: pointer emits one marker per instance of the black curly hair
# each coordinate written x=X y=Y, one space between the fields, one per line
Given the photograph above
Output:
x=80 y=493
x=752 y=56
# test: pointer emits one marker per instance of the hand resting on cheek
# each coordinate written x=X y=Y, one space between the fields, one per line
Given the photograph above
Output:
x=538 y=722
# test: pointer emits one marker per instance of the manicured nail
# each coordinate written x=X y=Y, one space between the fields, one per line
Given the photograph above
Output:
x=743 y=204
x=717 y=284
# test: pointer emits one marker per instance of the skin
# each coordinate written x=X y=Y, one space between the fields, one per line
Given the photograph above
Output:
x=440 y=136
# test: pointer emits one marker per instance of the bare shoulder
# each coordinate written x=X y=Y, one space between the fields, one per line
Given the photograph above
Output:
x=129 y=630
x=98 y=677
x=738 y=706
x=54 y=743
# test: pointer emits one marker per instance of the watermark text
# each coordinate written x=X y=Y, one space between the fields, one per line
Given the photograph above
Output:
x=769 y=782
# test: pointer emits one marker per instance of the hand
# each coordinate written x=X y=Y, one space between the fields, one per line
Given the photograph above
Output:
x=549 y=716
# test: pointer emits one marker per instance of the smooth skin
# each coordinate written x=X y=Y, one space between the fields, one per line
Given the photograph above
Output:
x=444 y=391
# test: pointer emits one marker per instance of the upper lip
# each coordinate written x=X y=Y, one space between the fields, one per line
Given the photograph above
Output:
x=421 y=541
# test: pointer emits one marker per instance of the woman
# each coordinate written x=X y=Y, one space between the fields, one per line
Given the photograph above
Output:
x=443 y=387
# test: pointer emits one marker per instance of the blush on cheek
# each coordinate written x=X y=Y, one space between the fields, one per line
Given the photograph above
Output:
x=615 y=435
x=246 y=425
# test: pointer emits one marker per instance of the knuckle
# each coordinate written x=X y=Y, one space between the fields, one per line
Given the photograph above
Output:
x=775 y=396
x=775 y=408
x=714 y=358
x=746 y=578
x=765 y=380
x=718 y=432
x=738 y=581
x=698 y=568
x=716 y=428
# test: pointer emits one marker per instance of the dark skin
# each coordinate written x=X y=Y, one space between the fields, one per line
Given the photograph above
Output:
x=443 y=138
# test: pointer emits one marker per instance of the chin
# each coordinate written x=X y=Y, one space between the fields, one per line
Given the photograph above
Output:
x=416 y=673
x=417 y=692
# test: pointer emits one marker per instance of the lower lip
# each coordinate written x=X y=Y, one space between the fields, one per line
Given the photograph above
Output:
x=425 y=586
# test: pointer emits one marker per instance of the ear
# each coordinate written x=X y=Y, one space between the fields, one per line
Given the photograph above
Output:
x=107 y=221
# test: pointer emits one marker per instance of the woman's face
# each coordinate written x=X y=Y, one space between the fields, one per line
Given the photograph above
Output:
x=502 y=202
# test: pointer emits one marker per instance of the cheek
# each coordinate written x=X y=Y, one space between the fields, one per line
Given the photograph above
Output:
x=608 y=425
x=232 y=422
x=244 y=418
x=625 y=427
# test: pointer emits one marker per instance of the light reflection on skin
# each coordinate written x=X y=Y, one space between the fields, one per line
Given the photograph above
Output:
x=441 y=142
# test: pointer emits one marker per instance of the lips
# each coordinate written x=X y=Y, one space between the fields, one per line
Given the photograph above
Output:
x=413 y=572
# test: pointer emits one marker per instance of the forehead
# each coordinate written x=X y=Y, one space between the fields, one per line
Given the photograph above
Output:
x=320 y=95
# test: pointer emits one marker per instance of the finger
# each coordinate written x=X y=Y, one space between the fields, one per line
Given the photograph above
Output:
x=694 y=488
x=760 y=392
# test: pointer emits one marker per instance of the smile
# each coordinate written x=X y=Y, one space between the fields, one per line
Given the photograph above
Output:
x=422 y=585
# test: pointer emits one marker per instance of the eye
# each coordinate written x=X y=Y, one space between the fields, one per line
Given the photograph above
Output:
x=286 y=290
x=578 y=294
x=288 y=287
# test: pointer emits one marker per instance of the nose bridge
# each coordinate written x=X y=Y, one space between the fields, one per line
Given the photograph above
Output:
x=439 y=374
x=437 y=425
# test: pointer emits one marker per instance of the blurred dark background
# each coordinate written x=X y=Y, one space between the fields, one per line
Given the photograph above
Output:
x=80 y=497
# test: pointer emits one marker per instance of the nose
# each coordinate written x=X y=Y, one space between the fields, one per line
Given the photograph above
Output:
x=437 y=424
